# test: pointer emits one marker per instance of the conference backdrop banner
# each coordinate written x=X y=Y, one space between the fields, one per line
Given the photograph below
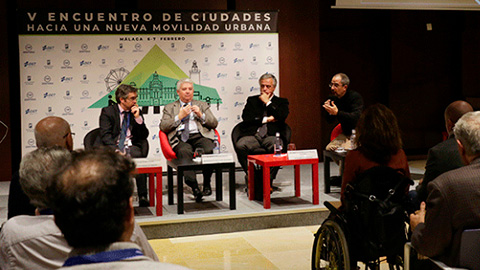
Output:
x=72 y=62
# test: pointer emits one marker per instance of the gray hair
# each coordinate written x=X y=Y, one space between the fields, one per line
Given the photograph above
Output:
x=268 y=76
x=36 y=172
x=123 y=90
x=344 y=78
x=467 y=131
x=182 y=81
x=51 y=131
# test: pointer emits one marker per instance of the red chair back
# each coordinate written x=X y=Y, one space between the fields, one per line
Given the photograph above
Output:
x=335 y=132
x=167 y=150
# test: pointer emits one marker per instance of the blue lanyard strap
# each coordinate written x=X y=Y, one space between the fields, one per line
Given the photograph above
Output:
x=106 y=256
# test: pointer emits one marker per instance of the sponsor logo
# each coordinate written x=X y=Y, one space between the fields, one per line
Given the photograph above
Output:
x=155 y=123
x=29 y=64
x=253 y=76
x=253 y=45
x=222 y=61
x=254 y=60
x=238 y=60
x=66 y=79
x=48 y=95
x=85 y=63
x=254 y=89
x=68 y=95
x=222 y=119
x=205 y=46
x=66 y=48
x=238 y=91
x=29 y=96
x=221 y=75
x=31 y=143
x=67 y=111
x=47 y=80
x=48 y=64
x=84 y=48
x=237 y=46
x=66 y=64
x=269 y=60
x=120 y=47
x=85 y=95
x=205 y=76
x=154 y=137
x=237 y=75
x=138 y=47
x=221 y=46
x=29 y=49
x=269 y=45
x=30 y=125
x=29 y=80
x=31 y=111
x=102 y=47
x=47 y=48
x=238 y=104
x=188 y=47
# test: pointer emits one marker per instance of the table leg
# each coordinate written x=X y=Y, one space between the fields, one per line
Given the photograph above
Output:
x=231 y=186
x=266 y=187
x=180 y=192
x=251 y=175
x=218 y=184
x=151 y=188
x=170 y=185
x=316 y=198
x=326 y=173
x=297 y=180
x=159 y=207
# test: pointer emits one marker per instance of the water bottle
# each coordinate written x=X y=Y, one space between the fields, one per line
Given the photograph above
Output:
x=126 y=150
x=352 y=140
x=278 y=145
x=216 y=148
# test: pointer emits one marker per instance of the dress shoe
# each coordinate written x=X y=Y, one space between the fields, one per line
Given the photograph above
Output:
x=274 y=188
x=336 y=181
x=197 y=194
x=143 y=202
x=207 y=190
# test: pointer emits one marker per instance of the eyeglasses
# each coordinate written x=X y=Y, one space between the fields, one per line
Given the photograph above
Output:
x=335 y=85
x=73 y=135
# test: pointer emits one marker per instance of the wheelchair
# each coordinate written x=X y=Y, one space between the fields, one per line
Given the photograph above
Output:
x=370 y=226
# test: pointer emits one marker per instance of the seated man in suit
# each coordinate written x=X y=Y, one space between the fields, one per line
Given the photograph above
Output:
x=92 y=204
x=35 y=242
x=122 y=125
x=444 y=156
x=452 y=202
x=263 y=116
x=189 y=124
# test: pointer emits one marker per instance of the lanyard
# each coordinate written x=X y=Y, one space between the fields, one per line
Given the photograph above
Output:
x=106 y=256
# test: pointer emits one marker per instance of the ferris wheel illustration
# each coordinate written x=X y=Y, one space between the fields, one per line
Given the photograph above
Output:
x=115 y=78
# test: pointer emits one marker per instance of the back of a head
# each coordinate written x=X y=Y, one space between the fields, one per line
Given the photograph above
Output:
x=91 y=197
x=457 y=109
x=37 y=169
x=467 y=131
x=51 y=131
x=378 y=134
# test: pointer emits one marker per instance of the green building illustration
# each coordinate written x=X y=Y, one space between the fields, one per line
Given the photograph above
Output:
x=155 y=76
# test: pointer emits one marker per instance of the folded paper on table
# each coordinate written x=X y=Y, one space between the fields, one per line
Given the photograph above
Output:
x=217 y=158
x=303 y=154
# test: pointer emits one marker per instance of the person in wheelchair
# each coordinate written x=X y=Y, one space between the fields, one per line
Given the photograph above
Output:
x=370 y=223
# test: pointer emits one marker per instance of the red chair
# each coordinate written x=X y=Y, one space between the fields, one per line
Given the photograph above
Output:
x=167 y=150
x=335 y=132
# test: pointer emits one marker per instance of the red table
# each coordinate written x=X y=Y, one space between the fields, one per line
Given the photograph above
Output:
x=269 y=160
x=151 y=185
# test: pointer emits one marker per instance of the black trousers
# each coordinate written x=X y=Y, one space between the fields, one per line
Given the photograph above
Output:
x=185 y=150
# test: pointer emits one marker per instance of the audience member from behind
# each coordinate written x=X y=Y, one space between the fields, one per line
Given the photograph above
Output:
x=453 y=203
x=50 y=131
x=93 y=207
x=35 y=242
x=379 y=143
x=444 y=156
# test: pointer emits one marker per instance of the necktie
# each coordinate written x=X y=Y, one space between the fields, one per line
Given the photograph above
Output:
x=186 y=130
x=123 y=133
x=262 y=131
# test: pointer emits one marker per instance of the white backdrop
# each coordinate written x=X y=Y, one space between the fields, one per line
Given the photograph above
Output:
x=64 y=75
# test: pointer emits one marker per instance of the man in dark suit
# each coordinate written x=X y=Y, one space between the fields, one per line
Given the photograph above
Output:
x=122 y=127
x=263 y=116
x=444 y=156
x=190 y=124
x=453 y=202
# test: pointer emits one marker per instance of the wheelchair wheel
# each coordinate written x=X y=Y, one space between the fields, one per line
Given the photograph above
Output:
x=330 y=250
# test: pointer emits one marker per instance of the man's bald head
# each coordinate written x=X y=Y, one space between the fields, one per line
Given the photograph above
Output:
x=454 y=111
x=53 y=130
